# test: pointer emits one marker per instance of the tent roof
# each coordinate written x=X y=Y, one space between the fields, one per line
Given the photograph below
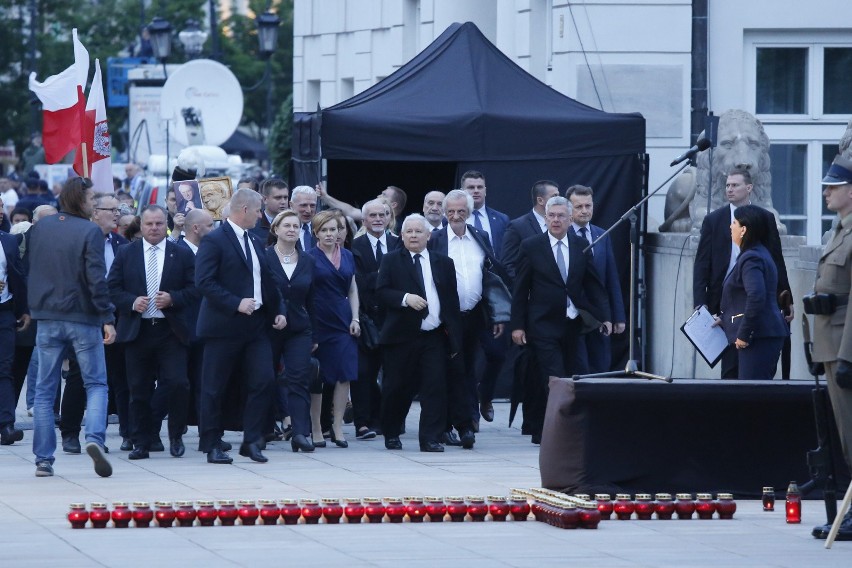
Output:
x=461 y=98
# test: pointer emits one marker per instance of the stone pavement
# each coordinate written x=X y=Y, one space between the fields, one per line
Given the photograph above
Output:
x=34 y=532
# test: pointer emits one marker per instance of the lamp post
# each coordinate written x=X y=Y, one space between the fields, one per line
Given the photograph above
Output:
x=267 y=35
x=192 y=37
x=161 y=39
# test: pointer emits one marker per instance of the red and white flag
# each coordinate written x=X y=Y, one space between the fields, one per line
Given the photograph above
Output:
x=62 y=98
x=96 y=138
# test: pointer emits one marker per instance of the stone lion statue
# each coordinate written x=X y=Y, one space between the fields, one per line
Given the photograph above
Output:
x=742 y=142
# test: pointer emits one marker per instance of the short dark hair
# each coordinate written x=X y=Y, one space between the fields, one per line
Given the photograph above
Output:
x=401 y=196
x=754 y=220
x=22 y=211
x=72 y=198
x=471 y=174
x=272 y=183
x=578 y=189
x=539 y=188
x=249 y=180
x=742 y=171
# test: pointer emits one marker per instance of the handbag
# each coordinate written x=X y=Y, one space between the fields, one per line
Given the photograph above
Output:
x=498 y=300
x=369 y=332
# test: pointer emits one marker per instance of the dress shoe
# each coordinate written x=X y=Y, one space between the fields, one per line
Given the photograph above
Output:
x=536 y=439
x=431 y=447
x=9 y=435
x=845 y=532
x=339 y=443
x=252 y=451
x=300 y=442
x=468 y=439
x=365 y=433
x=126 y=445
x=320 y=444
x=139 y=453
x=71 y=445
x=98 y=455
x=486 y=409
x=224 y=446
x=348 y=414
x=449 y=438
x=393 y=443
x=176 y=447
x=217 y=455
x=156 y=445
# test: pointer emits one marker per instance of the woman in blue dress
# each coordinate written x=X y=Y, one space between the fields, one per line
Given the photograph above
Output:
x=335 y=312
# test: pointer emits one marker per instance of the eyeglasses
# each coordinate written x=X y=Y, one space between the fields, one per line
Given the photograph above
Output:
x=113 y=209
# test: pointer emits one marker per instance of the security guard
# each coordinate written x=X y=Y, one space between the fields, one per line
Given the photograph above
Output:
x=833 y=319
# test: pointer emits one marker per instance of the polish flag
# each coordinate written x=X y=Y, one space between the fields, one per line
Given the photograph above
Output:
x=96 y=138
x=62 y=99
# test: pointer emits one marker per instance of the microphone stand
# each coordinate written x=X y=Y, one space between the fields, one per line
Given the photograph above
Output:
x=632 y=215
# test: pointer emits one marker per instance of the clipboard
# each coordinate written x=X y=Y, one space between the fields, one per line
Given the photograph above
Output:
x=711 y=342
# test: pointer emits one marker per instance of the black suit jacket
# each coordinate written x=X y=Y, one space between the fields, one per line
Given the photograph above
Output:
x=366 y=273
x=115 y=241
x=296 y=291
x=261 y=230
x=14 y=274
x=127 y=281
x=539 y=303
x=714 y=255
x=523 y=227
x=396 y=278
x=223 y=278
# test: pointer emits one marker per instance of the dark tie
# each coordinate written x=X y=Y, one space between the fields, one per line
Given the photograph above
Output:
x=583 y=231
x=308 y=242
x=418 y=269
x=248 y=251
x=379 y=253
x=477 y=222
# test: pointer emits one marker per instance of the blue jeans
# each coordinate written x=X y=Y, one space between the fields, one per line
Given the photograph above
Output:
x=52 y=339
x=32 y=376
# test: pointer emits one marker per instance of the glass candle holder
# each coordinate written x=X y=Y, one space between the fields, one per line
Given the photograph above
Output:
x=457 y=509
x=725 y=505
x=185 y=513
x=590 y=516
x=684 y=506
x=374 y=509
x=78 y=515
x=623 y=506
x=247 y=511
x=121 y=514
x=353 y=511
x=664 y=507
x=499 y=508
x=415 y=508
x=395 y=509
x=291 y=512
x=768 y=498
x=269 y=511
x=311 y=511
x=228 y=513
x=793 y=504
x=99 y=515
x=164 y=513
x=436 y=509
x=142 y=514
x=477 y=508
x=207 y=513
x=644 y=507
x=568 y=515
x=704 y=506
x=520 y=509
x=332 y=510
x=604 y=503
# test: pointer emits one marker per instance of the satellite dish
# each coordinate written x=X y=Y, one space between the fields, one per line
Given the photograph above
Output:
x=204 y=102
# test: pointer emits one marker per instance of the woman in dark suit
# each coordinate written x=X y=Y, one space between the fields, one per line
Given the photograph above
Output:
x=293 y=274
x=749 y=310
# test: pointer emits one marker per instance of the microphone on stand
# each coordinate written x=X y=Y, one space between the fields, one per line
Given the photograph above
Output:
x=701 y=145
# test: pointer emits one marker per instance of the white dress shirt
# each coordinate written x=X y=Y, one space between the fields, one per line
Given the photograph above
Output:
x=109 y=254
x=373 y=240
x=469 y=260
x=161 y=260
x=5 y=295
x=542 y=222
x=433 y=320
x=191 y=246
x=570 y=309
x=255 y=264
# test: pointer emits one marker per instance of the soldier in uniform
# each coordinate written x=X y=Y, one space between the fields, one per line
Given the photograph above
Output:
x=833 y=319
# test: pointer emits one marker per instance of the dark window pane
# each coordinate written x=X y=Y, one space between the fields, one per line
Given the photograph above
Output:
x=829 y=151
x=788 y=163
x=796 y=227
x=837 y=81
x=782 y=80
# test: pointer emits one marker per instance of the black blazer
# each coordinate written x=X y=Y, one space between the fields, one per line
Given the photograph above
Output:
x=538 y=302
x=15 y=274
x=261 y=230
x=223 y=278
x=116 y=241
x=396 y=278
x=366 y=272
x=127 y=281
x=714 y=255
x=523 y=227
x=296 y=292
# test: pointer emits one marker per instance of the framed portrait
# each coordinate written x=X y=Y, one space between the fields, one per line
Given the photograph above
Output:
x=187 y=196
x=215 y=194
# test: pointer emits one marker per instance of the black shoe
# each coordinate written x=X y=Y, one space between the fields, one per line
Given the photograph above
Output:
x=98 y=455
x=348 y=414
x=845 y=532
x=300 y=442
x=449 y=438
x=339 y=443
x=138 y=453
x=71 y=445
x=431 y=447
x=252 y=451
x=157 y=445
x=9 y=435
x=468 y=439
x=126 y=445
x=365 y=433
x=536 y=439
x=217 y=455
x=486 y=409
x=393 y=443
x=224 y=446
x=176 y=447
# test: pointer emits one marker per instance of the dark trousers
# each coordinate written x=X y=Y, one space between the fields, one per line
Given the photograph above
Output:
x=117 y=383
x=160 y=399
x=759 y=360
x=462 y=400
x=730 y=363
x=251 y=354
x=412 y=367
x=23 y=353
x=73 y=399
x=295 y=351
x=156 y=355
x=495 y=350
x=599 y=352
x=365 y=392
x=8 y=400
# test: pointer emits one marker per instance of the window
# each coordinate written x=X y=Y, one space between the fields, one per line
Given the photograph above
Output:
x=837 y=80
x=789 y=168
x=782 y=80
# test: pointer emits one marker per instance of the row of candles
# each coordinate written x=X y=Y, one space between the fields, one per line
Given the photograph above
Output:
x=290 y=511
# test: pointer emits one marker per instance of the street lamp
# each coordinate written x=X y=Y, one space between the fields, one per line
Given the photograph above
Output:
x=192 y=37
x=161 y=38
x=267 y=33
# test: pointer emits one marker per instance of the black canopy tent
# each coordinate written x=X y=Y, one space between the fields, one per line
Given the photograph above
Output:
x=461 y=104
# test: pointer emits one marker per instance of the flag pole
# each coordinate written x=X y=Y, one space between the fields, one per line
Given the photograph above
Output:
x=85 y=160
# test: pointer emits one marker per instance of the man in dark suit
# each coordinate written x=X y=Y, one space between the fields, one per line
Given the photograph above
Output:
x=239 y=303
x=275 y=194
x=14 y=316
x=422 y=329
x=558 y=296
x=303 y=200
x=368 y=250
x=485 y=219
x=472 y=256
x=717 y=254
x=433 y=210
x=597 y=345
x=527 y=225
x=152 y=282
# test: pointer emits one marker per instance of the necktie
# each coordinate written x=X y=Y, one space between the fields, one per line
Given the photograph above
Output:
x=152 y=280
x=248 y=251
x=418 y=269
x=560 y=261
x=583 y=231
x=307 y=230
x=379 y=253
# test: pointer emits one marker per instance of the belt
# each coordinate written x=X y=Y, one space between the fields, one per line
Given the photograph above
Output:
x=153 y=321
x=7 y=306
x=841 y=299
